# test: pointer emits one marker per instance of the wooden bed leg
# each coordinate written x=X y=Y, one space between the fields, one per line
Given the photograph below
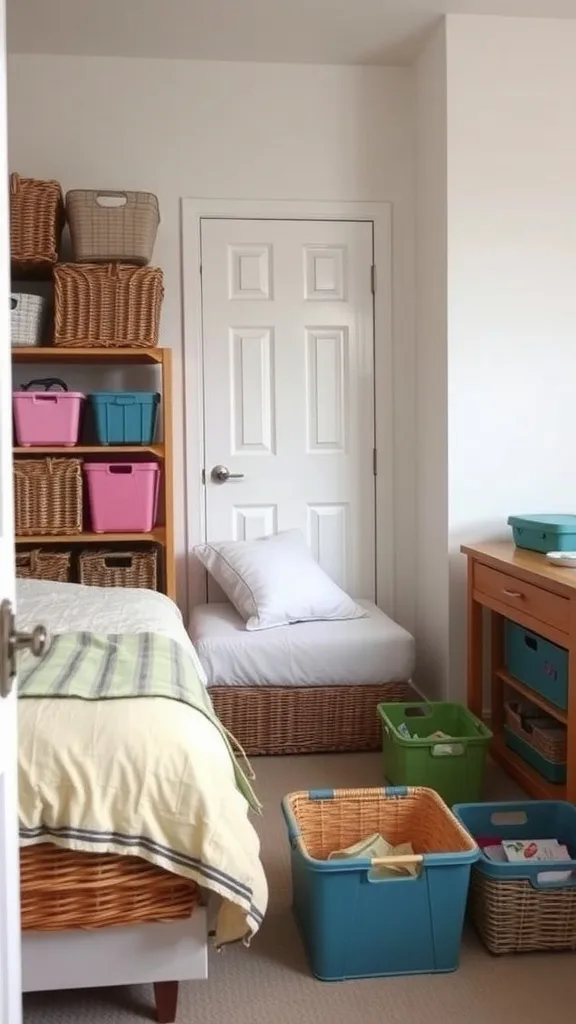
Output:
x=166 y=996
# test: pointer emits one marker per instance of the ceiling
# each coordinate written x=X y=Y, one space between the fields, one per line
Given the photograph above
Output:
x=276 y=31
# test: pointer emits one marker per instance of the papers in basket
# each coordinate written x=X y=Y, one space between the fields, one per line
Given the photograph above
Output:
x=373 y=848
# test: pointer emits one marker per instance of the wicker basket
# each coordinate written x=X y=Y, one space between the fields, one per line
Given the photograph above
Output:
x=107 y=306
x=36 y=222
x=515 y=917
x=44 y=565
x=61 y=889
x=101 y=232
x=27 y=316
x=552 y=744
x=47 y=496
x=417 y=815
x=119 y=569
x=305 y=719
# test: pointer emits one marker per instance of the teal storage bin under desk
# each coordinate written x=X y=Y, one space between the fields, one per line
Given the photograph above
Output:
x=125 y=417
x=536 y=662
x=544 y=532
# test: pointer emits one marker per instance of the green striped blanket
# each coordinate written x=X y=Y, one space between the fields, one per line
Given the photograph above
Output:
x=92 y=666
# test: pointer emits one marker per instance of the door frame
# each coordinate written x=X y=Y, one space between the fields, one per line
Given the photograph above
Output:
x=193 y=211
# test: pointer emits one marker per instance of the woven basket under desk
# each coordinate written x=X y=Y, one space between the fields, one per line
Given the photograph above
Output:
x=61 y=889
x=306 y=719
x=552 y=745
x=47 y=496
x=107 y=305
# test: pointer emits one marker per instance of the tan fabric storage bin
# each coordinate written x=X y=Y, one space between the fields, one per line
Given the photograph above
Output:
x=107 y=305
x=104 y=232
x=36 y=223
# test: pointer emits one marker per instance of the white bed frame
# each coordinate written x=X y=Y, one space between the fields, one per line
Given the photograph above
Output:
x=137 y=955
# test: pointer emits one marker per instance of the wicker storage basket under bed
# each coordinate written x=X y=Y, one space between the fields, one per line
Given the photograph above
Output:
x=36 y=222
x=61 y=889
x=305 y=719
x=119 y=569
x=107 y=305
x=43 y=565
x=48 y=496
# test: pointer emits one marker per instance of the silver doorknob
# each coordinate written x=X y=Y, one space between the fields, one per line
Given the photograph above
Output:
x=11 y=641
x=221 y=474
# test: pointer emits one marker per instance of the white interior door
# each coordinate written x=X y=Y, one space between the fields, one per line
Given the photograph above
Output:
x=10 y=987
x=288 y=352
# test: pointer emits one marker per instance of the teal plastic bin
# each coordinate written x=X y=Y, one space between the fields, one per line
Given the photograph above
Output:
x=544 y=532
x=356 y=924
x=124 y=417
x=523 y=907
x=453 y=767
x=536 y=662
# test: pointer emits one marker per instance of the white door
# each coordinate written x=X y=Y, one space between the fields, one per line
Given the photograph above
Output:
x=10 y=988
x=288 y=352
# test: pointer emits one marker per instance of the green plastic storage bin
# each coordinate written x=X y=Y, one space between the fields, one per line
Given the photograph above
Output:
x=454 y=767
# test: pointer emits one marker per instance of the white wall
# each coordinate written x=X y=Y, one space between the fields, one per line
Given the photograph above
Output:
x=432 y=626
x=511 y=174
x=218 y=130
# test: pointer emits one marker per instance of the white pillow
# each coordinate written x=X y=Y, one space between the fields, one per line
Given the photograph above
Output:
x=275 y=581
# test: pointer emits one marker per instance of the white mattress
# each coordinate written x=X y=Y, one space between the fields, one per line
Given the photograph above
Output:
x=71 y=607
x=373 y=649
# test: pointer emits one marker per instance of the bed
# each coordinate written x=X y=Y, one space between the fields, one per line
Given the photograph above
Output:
x=305 y=688
x=132 y=902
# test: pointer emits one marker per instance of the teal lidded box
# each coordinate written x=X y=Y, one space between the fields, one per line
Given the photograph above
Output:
x=544 y=533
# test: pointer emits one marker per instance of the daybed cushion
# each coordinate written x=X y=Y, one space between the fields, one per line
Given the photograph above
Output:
x=275 y=581
x=372 y=649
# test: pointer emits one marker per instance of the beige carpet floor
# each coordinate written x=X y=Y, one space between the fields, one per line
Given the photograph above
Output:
x=270 y=982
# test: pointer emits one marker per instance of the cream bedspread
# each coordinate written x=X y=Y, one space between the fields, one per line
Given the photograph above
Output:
x=144 y=777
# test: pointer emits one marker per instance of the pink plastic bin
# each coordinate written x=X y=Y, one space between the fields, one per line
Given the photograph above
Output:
x=123 y=496
x=47 y=417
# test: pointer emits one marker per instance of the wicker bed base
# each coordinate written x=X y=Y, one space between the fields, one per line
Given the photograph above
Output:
x=305 y=719
x=61 y=889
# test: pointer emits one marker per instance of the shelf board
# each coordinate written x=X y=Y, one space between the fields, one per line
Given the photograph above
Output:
x=52 y=354
x=531 y=781
x=534 y=698
x=93 y=449
x=157 y=535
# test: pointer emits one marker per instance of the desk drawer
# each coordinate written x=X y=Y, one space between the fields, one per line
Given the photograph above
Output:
x=514 y=593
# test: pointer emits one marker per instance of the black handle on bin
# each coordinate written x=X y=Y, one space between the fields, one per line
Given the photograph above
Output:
x=48 y=383
x=531 y=642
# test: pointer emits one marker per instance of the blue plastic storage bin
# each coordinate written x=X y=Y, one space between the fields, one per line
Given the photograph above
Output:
x=355 y=924
x=514 y=908
x=551 y=770
x=536 y=662
x=544 y=533
x=125 y=417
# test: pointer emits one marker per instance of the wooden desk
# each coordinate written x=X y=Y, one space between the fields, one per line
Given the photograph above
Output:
x=522 y=586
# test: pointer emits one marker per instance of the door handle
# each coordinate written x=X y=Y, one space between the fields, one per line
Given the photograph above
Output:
x=11 y=641
x=221 y=474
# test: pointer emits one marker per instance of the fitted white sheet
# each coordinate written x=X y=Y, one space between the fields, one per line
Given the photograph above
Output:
x=374 y=649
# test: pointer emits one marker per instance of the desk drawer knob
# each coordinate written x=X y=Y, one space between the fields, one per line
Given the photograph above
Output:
x=513 y=593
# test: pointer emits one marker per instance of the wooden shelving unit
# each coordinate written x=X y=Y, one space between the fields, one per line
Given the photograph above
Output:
x=509 y=583
x=163 y=533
